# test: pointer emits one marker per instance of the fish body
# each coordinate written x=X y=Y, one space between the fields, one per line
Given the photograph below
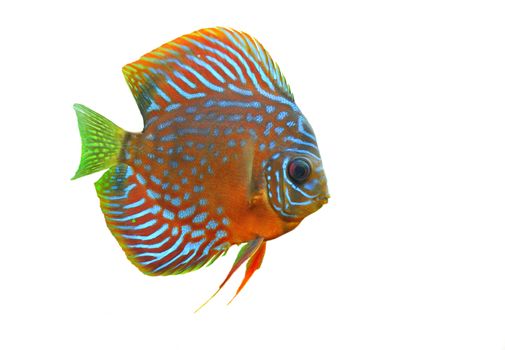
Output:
x=225 y=157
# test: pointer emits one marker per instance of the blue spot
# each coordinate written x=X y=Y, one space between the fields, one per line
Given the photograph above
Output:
x=290 y=124
x=188 y=158
x=243 y=143
x=227 y=131
x=271 y=145
x=167 y=214
x=262 y=147
x=240 y=129
x=197 y=233
x=169 y=137
x=232 y=143
x=180 y=119
x=259 y=118
x=176 y=201
x=137 y=161
x=198 y=188
x=267 y=128
x=203 y=202
x=155 y=180
x=212 y=224
x=147 y=167
x=174 y=164
x=175 y=231
x=203 y=161
x=186 y=212
x=219 y=210
x=191 y=109
x=235 y=117
x=184 y=180
x=282 y=115
x=270 y=109
x=279 y=130
x=226 y=221
x=186 y=196
x=252 y=132
x=185 y=229
x=221 y=234
x=200 y=217
x=166 y=197
x=176 y=187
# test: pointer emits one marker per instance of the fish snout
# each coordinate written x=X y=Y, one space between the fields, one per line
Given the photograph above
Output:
x=323 y=199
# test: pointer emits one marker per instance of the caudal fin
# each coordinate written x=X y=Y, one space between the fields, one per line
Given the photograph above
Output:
x=101 y=141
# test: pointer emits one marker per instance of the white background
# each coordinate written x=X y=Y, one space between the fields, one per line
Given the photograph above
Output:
x=407 y=101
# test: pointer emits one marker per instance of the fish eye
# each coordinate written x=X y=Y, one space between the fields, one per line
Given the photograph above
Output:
x=299 y=170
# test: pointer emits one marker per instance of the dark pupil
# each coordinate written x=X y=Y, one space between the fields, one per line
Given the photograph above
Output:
x=299 y=170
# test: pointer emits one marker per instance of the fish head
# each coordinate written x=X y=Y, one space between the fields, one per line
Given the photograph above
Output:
x=296 y=184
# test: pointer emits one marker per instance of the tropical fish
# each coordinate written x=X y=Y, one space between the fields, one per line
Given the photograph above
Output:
x=225 y=156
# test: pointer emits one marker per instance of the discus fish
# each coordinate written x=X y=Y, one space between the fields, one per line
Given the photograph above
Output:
x=225 y=156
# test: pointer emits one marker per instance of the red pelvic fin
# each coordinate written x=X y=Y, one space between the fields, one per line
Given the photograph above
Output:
x=249 y=251
x=253 y=264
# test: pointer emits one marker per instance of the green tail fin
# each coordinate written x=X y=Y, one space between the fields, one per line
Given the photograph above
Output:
x=101 y=141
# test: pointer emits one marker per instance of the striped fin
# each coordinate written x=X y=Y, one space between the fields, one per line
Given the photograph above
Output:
x=202 y=64
x=151 y=237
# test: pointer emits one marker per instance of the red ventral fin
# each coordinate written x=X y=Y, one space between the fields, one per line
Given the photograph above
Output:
x=253 y=251
x=253 y=264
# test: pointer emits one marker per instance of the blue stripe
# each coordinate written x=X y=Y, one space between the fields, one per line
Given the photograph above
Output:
x=172 y=107
x=222 y=66
x=226 y=57
x=139 y=227
x=141 y=179
x=149 y=246
x=154 y=210
x=198 y=76
x=176 y=87
x=222 y=55
x=162 y=94
x=240 y=91
x=264 y=77
x=301 y=120
x=300 y=142
x=152 y=194
x=153 y=235
x=124 y=196
x=187 y=248
x=184 y=79
x=161 y=255
x=207 y=66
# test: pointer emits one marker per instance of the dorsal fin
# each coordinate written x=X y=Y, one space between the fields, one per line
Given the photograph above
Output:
x=200 y=64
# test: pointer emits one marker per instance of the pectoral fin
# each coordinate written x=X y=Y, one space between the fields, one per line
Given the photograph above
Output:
x=253 y=251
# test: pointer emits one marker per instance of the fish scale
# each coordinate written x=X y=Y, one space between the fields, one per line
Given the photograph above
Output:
x=213 y=165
